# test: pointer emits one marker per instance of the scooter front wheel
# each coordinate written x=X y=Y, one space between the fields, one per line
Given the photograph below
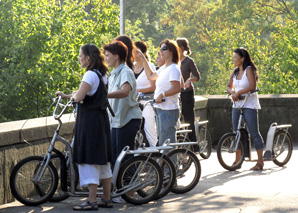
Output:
x=225 y=155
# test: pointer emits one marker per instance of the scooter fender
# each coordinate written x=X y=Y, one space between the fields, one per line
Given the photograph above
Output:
x=269 y=141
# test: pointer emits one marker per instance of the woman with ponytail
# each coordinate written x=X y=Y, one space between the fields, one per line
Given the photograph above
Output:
x=190 y=74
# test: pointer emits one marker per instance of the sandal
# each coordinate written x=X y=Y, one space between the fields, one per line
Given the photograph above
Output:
x=258 y=166
x=238 y=167
x=87 y=206
x=105 y=203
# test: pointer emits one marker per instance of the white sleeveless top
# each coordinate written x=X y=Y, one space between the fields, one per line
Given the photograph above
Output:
x=253 y=100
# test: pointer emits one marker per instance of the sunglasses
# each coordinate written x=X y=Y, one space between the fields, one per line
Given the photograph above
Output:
x=164 y=48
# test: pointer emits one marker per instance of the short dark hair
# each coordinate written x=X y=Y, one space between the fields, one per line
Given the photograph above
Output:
x=143 y=47
x=117 y=48
x=96 y=58
x=130 y=46
x=173 y=47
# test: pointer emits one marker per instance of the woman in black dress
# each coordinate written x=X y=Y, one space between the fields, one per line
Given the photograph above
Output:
x=92 y=146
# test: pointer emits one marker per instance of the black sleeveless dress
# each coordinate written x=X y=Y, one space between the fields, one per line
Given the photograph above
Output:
x=92 y=143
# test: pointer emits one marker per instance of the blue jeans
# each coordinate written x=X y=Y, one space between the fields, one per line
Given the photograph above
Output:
x=250 y=117
x=166 y=121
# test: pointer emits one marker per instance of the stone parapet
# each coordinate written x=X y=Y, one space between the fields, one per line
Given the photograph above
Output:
x=20 y=139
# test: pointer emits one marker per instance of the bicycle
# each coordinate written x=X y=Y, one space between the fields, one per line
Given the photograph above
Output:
x=187 y=165
x=34 y=180
x=204 y=140
x=167 y=167
x=279 y=144
x=183 y=159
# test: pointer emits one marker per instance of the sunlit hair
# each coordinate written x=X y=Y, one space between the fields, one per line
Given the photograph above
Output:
x=130 y=46
x=96 y=58
x=117 y=48
x=242 y=52
x=173 y=47
x=143 y=47
x=183 y=42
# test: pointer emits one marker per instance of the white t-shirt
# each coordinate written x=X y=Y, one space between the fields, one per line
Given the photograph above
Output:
x=163 y=83
x=142 y=80
x=92 y=79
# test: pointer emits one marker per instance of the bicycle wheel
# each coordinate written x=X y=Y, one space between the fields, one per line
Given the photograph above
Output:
x=205 y=144
x=188 y=170
x=60 y=195
x=182 y=138
x=139 y=174
x=25 y=189
x=226 y=157
x=282 y=148
x=169 y=174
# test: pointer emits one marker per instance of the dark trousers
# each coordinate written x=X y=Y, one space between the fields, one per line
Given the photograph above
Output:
x=124 y=136
x=188 y=104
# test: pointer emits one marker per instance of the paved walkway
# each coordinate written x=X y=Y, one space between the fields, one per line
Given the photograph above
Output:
x=275 y=189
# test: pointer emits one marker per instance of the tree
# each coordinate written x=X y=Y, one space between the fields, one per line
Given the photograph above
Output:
x=216 y=27
x=41 y=40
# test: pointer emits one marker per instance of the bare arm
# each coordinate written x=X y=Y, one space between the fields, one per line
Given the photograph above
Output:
x=121 y=93
x=77 y=95
x=172 y=91
x=230 y=85
x=82 y=92
x=149 y=72
x=148 y=89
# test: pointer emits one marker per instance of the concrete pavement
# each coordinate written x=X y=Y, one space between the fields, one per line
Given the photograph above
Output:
x=275 y=189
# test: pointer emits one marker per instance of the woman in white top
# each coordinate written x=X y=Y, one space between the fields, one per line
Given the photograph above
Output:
x=168 y=79
x=92 y=145
x=147 y=87
x=243 y=80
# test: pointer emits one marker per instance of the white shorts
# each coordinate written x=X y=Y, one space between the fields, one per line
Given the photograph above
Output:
x=92 y=173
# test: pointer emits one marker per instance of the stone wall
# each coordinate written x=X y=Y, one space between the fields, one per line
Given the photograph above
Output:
x=36 y=133
x=25 y=138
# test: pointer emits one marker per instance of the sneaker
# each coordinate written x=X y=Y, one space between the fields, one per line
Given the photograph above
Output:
x=118 y=200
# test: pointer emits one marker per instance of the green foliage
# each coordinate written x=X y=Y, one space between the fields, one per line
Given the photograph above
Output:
x=148 y=14
x=268 y=29
x=39 y=49
x=40 y=41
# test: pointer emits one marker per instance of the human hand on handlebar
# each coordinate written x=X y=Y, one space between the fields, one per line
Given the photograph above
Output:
x=235 y=96
x=159 y=99
x=63 y=96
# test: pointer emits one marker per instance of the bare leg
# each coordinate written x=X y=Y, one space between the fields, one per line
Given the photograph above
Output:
x=92 y=193
x=106 y=184
x=238 y=155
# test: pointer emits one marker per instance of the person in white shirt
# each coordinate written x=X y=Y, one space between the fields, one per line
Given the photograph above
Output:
x=243 y=80
x=168 y=84
x=92 y=149
x=146 y=87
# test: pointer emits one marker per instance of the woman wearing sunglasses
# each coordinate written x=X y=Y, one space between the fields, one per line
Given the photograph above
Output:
x=168 y=79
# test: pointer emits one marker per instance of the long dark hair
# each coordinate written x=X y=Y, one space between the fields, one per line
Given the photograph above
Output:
x=183 y=42
x=242 y=52
x=96 y=58
x=130 y=46
x=173 y=47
